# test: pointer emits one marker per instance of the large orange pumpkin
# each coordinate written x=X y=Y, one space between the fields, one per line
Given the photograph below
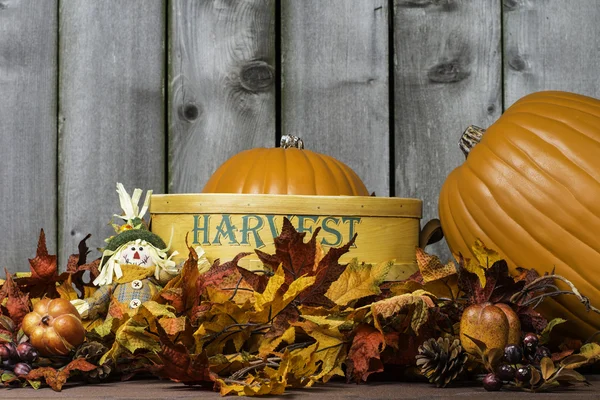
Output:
x=531 y=190
x=288 y=169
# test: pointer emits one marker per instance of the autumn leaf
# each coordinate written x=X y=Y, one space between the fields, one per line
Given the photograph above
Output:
x=133 y=335
x=484 y=259
x=44 y=265
x=57 y=378
x=545 y=335
x=271 y=302
x=183 y=292
x=269 y=345
x=358 y=281
x=431 y=267
x=498 y=286
x=17 y=303
x=414 y=305
x=225 y=277
x=331 y=351
x=327 y=271
x=174 y=325
x=221 y=323
x=296 y=257
x=364 y=354
x=178 y=365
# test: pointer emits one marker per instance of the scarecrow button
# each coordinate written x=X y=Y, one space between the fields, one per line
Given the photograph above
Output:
x=135 y=303
x=137 y=284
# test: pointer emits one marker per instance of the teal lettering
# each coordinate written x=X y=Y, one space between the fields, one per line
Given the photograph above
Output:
x=246 y=230
x=301 y=219
x=203 y=229
x=225 y=229
x=335 y=232
x=352 y=221
x=272 y=225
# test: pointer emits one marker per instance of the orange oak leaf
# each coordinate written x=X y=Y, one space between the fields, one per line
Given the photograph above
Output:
x=44 y=270
x=57 y=378
x=17 y=303
x=220 y=275
x=43 y=266
x=364 y=354
x=182 y=292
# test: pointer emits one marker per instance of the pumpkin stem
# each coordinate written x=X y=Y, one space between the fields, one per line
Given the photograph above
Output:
x=288 y=141
x=45 y=319
x=471 y=136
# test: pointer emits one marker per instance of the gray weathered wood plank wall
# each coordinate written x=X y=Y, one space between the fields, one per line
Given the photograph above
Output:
x=157 y=93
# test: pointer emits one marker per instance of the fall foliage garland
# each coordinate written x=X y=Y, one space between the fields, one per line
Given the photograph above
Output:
x=294 y=323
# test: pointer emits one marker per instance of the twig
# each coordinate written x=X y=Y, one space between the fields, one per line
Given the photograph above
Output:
x=531 y=287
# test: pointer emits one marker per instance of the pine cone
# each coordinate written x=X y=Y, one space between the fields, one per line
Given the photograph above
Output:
x=91 y=351
x=99 y=374
x=441 y=360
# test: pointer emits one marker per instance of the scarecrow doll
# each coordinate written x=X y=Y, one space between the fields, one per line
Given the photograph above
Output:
x=134 y=264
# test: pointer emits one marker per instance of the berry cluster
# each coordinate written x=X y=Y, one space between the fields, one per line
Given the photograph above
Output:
x=518 y=361
x=17 y=358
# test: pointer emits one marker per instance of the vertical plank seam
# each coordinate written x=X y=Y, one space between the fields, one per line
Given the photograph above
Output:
x=392 y=102
x=57 y=193
x=166 y=102
x=502 y=57
x=278 y=103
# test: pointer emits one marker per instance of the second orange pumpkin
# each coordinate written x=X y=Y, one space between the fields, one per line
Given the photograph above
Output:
x=529 y=189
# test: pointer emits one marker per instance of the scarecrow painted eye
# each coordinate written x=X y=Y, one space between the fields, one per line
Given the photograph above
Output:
x=141 y=248
x=133 y=249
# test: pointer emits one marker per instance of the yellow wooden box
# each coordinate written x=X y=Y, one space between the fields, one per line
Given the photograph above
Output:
x=227 y=224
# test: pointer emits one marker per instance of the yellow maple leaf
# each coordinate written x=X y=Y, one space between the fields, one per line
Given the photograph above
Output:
x=270 y=303
x=331 y=351
x=133 y=335
x=358 y=281
x=66 y=290
x=431 y=267
x=268 y=345
x=268 y=295
x=484 y=259
x=416 y=305
x=224 y=322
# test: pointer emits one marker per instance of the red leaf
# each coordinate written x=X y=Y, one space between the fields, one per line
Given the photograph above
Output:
x=17 y=303
x=56 y=379
x=365 y=352
x=328 y=271
x=296 y=257
x=219 y=273
x=499 y=287
x=43 y=266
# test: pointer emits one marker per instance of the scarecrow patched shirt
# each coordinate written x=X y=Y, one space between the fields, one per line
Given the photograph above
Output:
x=136 y=286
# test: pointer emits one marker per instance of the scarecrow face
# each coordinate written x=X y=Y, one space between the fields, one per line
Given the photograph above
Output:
x=136 y=253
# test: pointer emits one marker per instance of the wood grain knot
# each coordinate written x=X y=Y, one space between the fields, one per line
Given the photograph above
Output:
x=190 y=112
x=517 y=63
x=448 y=72
x=510 y=5
x=3 y=5
x=257 y=76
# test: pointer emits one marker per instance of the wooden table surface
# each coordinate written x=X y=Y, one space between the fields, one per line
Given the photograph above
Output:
x=157 y=389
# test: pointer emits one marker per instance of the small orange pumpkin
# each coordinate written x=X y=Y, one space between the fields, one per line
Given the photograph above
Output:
x=496 y=325
x=288 y=169
x=54 y=327
x=530 y=189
